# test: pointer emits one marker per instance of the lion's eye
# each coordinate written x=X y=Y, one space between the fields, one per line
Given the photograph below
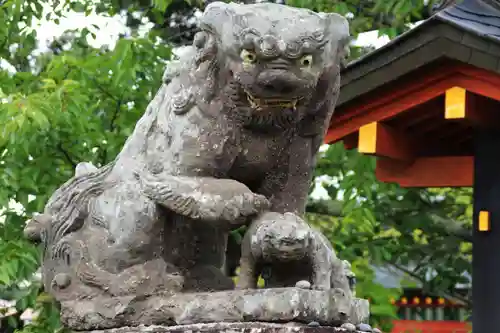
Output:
x=248 y=57
x=306 y=61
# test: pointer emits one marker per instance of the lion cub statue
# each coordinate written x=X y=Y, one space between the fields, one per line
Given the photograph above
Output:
x=285 y=250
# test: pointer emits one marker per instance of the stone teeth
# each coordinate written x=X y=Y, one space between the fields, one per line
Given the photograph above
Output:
x=259 y=103
x=252 y=101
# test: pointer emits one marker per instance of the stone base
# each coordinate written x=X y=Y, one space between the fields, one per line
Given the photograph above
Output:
x=329 y=308
x=250 y=327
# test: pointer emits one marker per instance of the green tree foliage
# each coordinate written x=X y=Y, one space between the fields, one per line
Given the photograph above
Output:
x=77 y=103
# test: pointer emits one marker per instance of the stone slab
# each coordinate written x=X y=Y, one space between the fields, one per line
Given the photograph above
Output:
x=261 y=305
x=249 y=327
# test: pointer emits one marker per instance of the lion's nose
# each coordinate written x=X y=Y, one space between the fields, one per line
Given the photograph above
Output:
x=278 y=82
x=278 y=87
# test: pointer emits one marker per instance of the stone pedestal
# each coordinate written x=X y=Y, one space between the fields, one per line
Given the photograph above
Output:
x=325 y=307
x=249 y=327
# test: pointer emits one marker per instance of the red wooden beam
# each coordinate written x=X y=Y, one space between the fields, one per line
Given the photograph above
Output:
x=451 y=171
x=462 y=105
x=404 y=326
x=381 y=140
x=351 y=141
x=409 y=94
x=341 y=128
x=387 y=96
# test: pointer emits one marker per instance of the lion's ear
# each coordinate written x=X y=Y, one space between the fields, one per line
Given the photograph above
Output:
x=218 y=18
x=336 y=26
x=337 y=32
x=226 y=21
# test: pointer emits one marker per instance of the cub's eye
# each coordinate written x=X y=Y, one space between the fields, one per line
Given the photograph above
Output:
x=306 y=61
x=248 y=57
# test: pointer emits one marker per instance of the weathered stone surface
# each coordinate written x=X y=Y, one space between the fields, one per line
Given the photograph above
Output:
x=263 y=305
x=250 y=327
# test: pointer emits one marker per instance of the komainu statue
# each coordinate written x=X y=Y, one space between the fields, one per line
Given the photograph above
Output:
x=229 y=140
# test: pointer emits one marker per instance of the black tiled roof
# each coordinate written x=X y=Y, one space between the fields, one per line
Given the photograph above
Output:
x=481 y=17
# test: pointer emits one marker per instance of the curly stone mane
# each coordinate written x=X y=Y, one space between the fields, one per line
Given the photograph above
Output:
x=68 y=206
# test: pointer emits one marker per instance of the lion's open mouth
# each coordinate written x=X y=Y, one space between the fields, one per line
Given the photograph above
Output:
x=262 y=103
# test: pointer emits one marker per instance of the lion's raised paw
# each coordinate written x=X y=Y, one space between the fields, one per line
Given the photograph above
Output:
x=205 y=198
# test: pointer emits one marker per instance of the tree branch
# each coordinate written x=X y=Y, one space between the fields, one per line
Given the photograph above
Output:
x=115 y=114
x=324 y=207
x=104 y=152
x=453 y=228
x=66 y=155
x=449 y=226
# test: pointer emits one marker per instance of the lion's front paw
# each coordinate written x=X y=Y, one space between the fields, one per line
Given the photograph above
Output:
x=244 y=205
x=229 y=200
x=204 y=198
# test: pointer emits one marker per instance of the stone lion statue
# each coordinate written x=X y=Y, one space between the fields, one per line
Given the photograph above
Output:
x=231 y=134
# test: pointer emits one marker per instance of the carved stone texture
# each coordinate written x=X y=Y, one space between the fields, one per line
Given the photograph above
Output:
x=250 y=327
x=230 y=137
x=266 y=305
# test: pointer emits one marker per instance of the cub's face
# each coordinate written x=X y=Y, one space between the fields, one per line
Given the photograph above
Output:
x=282 y=239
